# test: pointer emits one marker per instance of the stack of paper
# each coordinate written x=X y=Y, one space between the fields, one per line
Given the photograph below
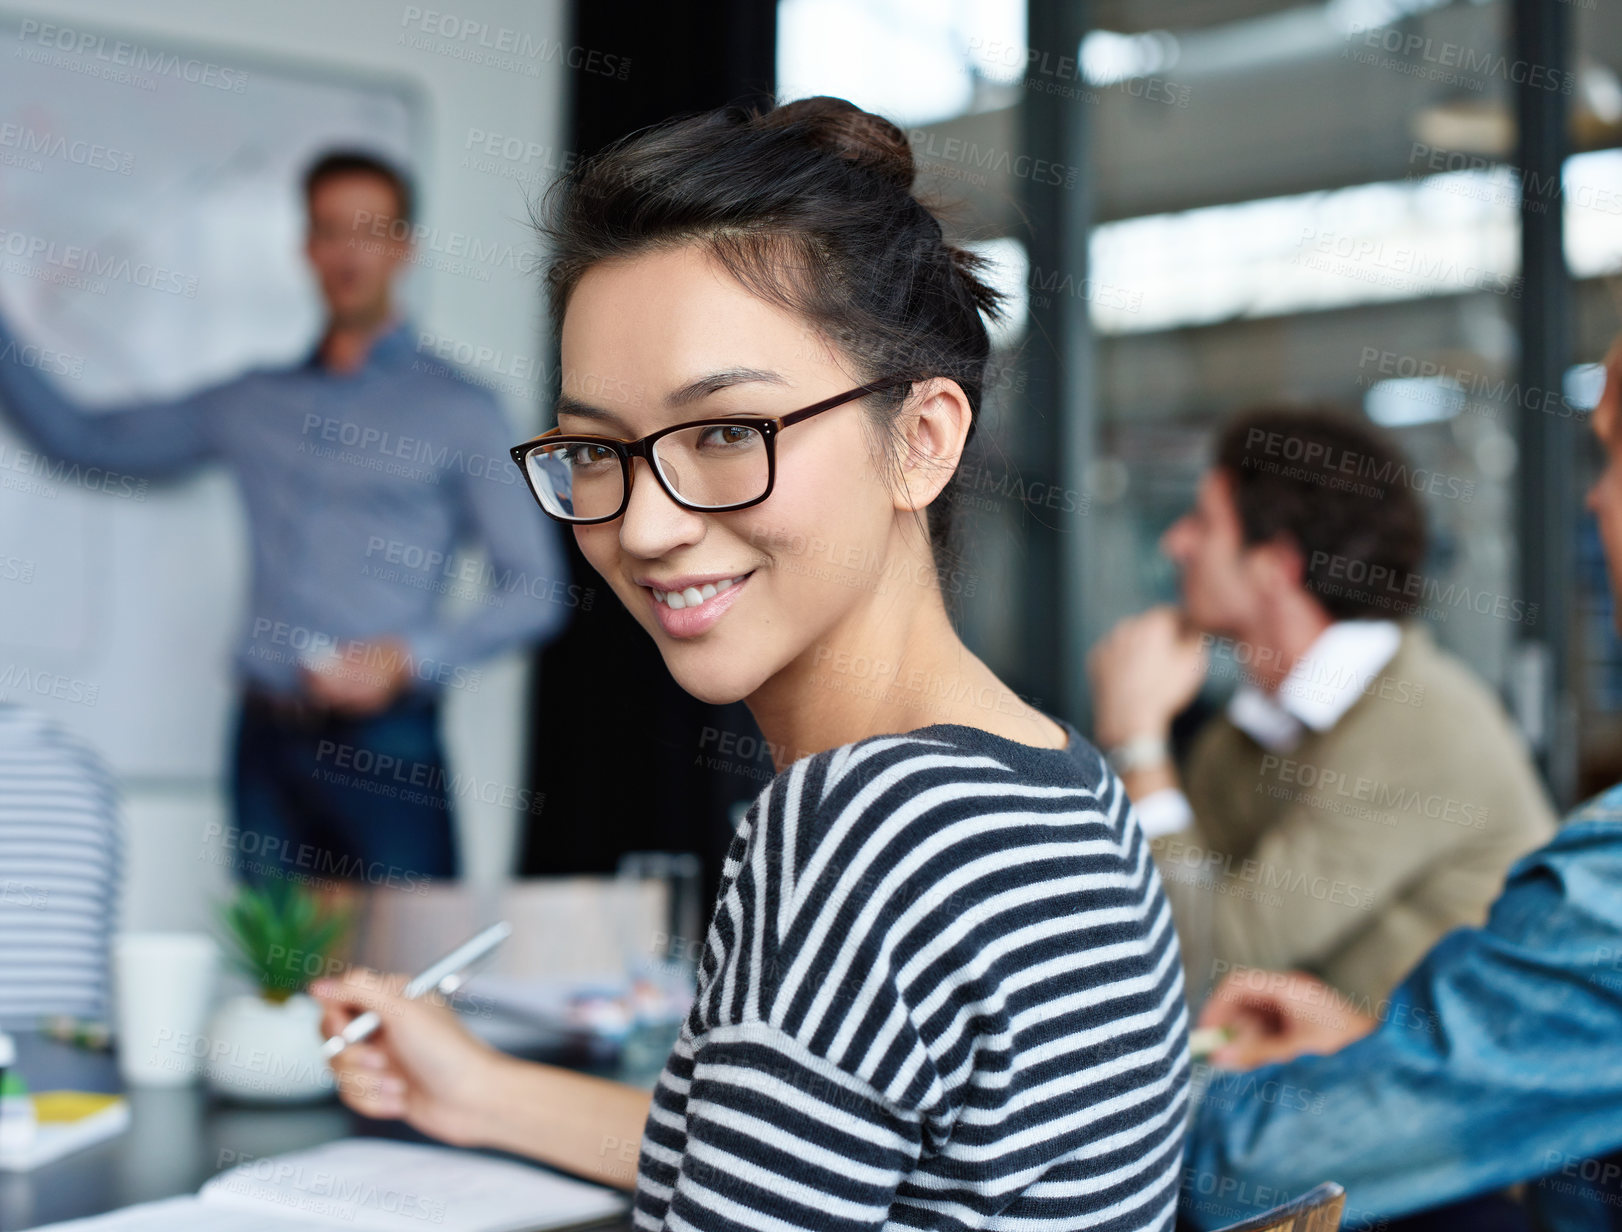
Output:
x=67 y=1121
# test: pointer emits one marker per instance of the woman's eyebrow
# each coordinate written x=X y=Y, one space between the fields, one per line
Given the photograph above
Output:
x=567 y=405
x=704 y=386
x=691 y=392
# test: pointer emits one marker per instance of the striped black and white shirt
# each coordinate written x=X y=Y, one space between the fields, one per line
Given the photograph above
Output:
x=61 y=852
x=941 y=989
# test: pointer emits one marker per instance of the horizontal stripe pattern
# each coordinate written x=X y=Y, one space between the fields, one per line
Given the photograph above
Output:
x=61 y=852
x=941 y=989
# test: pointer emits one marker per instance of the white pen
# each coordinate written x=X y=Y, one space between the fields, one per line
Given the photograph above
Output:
x=444 y=976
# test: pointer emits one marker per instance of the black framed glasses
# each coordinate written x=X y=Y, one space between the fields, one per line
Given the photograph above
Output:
x=707 y=465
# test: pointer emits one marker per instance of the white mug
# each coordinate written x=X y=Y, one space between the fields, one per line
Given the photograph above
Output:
x=163 y=983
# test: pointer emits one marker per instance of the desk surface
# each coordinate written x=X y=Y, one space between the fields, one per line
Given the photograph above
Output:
x=177 y=1139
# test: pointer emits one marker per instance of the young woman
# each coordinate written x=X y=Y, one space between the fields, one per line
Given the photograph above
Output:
x=940 y=988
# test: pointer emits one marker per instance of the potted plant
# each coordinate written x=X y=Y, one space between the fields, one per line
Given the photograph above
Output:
x=266 y=1046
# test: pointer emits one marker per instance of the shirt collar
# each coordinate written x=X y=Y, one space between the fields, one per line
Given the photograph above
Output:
x=388 y=349
x=1321 y=687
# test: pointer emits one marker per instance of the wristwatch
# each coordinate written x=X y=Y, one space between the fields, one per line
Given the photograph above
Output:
x=1140 y=753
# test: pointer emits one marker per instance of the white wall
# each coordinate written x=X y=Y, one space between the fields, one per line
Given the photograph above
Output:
x=171 y=879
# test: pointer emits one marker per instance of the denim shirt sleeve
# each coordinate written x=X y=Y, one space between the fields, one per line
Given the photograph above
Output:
x=1498 y=1059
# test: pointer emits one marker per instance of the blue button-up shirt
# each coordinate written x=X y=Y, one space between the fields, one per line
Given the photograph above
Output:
x=360 y=489
x=1497 y=1060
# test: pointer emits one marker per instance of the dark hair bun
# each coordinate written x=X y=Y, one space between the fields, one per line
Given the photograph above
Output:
x=810 y=207
x=860 y=137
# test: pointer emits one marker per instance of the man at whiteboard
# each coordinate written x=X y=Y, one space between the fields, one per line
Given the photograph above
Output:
x=367 y=471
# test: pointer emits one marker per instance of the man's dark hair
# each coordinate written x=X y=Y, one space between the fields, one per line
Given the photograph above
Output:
x=335 y=163
x=1340 y=490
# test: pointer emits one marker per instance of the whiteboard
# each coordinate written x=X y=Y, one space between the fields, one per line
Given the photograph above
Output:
x=120 y=604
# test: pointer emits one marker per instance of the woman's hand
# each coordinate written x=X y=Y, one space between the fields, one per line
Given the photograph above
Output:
x=424 y=1067
x=421 y=1065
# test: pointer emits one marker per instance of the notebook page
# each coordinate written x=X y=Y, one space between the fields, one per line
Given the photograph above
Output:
x=374 y=1185
x=189 y=1214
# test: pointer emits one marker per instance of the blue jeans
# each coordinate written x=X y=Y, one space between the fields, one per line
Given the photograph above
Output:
x=329 y=798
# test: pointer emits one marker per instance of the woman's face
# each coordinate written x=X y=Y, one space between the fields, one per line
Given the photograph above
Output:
x=670 y=337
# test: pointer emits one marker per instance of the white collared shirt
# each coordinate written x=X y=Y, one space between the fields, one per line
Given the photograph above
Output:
x=1334 y=672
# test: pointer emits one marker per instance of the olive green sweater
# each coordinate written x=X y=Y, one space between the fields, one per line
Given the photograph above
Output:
x=1351 y=855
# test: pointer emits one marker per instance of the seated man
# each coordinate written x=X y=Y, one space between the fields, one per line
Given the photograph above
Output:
x=1364 y=793
x=61 y=857
x=1497 y=1061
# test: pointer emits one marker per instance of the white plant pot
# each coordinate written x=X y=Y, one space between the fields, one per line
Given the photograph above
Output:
x=259 y=1051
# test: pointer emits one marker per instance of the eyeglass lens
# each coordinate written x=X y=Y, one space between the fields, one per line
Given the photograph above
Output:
x=707 y=466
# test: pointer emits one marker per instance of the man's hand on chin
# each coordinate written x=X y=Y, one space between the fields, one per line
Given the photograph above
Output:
x=1143 y=673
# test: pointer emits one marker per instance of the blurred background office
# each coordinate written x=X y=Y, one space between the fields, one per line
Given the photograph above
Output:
x=1197 y=206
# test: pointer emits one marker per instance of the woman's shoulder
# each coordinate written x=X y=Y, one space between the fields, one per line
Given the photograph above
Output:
x=904 y=788
x=883 y=846
x=939 y=755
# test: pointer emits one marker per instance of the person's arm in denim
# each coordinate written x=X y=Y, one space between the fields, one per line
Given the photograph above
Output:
x=158 y=438
x=1498 y=1059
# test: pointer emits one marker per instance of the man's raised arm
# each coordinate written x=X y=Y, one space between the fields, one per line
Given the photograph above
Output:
x=153 y=439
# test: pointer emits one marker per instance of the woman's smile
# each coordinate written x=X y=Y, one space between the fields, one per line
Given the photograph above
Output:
x=688 y=606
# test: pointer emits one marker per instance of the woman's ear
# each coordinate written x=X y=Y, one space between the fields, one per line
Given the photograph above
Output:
x=934 y=426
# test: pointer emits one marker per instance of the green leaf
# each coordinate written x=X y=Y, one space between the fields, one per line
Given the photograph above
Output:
x=281 y=936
